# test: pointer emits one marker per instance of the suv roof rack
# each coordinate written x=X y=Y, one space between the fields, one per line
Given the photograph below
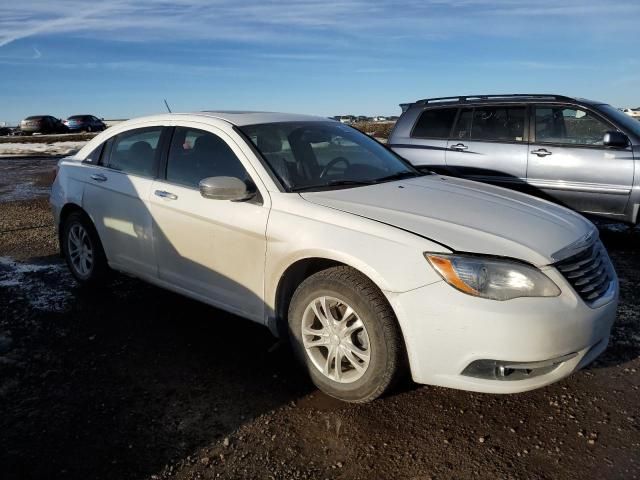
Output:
x=468 y=98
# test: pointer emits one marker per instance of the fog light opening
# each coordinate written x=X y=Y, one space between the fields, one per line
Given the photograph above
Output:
x=510 y=371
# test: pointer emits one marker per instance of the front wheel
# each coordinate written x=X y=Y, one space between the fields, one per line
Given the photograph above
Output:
x=83 y=250
x=345 y=333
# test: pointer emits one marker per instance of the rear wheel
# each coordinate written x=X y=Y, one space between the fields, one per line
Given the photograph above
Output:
x=345 y=333
x=83 y=250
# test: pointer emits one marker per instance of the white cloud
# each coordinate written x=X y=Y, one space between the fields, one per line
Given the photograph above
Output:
x=332 y=22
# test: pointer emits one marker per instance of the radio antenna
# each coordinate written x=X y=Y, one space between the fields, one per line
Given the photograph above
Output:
x=167 y=105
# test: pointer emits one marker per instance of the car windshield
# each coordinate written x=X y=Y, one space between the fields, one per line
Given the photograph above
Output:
x=621 y=118
x=308 y=156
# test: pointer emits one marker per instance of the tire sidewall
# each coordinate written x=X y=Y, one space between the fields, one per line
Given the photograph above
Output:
x=374 y=376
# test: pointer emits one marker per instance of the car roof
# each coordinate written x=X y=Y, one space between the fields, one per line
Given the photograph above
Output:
x=503 y=98
x=241 y=118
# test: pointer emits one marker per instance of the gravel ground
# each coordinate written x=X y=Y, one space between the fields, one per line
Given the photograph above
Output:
x=135 y=382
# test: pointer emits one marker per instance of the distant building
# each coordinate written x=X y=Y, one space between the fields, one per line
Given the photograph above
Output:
x=347 y=119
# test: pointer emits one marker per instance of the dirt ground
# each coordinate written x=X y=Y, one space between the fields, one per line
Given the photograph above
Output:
x=132 y=382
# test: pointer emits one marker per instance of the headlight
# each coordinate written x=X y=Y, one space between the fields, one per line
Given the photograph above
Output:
x=492 y=278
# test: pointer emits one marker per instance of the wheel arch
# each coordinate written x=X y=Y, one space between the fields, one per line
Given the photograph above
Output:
x=294 y=275
x=67 y=210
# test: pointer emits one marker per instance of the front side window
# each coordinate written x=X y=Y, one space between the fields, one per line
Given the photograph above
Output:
x=569 y=125
x=435 y=123
x=324 y=155
x=195 y=155
x=494 y=123
x=135 y=151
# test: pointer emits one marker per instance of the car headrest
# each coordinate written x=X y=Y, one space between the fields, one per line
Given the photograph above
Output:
x=141 y=148
x=269 y=143
x=207 y=144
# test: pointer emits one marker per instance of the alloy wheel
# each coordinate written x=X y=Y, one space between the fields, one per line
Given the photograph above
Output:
x=335 y=339
x=80 y=250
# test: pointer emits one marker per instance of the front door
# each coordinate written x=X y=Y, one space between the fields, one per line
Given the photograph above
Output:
x=488 y=144
x=213 y=249
x=569 y=164
x=116 y=196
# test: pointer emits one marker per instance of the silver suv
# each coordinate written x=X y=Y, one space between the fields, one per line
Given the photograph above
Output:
x=579 y=153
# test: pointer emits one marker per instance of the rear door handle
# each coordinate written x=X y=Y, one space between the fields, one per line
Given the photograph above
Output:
x=98 y=177
x=541 y=152
x=168 y=195
x=459 y=147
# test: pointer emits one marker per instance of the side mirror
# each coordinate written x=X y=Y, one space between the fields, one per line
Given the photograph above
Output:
x=615 y=139
x=225 y=188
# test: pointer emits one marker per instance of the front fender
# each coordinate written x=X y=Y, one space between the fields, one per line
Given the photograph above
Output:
x=392 y=258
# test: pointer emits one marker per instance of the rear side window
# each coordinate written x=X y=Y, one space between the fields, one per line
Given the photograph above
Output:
x=195 y=155
x=94 y=156
x=136 y=151
x=435 y=123
x=491 y=123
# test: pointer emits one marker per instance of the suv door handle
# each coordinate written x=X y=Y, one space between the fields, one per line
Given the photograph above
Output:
x=168 y=195
x=98 y=177
x=541 y=152
x=459 y=147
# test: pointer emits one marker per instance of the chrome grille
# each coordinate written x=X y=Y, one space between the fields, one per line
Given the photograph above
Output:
x=589 y=272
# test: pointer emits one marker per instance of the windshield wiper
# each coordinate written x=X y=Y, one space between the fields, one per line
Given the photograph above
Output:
x=399 y=176
x=335 y=183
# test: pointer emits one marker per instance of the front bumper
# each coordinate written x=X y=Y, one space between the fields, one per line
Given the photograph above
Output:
x=445 y=331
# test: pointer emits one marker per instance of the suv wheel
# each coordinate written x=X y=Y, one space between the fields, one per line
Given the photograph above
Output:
x=345 y=333
x=83 y=250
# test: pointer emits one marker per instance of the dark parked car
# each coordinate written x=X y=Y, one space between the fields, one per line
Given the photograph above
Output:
x=42 y=124
x=579 y=153
x=84 y=123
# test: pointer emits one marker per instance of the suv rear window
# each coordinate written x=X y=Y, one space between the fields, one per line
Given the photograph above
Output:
x=491 y=123
x=435 y=123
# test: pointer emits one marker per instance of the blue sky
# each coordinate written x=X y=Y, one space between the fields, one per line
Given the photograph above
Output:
x=120 y=58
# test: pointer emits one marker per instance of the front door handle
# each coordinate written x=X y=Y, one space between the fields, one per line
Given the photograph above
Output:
x=168 y=195
x=541 y=152
x=459 y=147
x=98 y=177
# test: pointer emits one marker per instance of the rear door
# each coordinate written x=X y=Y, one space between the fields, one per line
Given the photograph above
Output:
x=212 y=249
x=569 y=164
x=425 y=144
x=489 y=144
x=116 y=196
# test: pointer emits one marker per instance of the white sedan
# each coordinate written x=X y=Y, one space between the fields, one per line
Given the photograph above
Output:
x=319 y=232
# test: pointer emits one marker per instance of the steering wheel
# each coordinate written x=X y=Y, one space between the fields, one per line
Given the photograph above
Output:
x=330 y=165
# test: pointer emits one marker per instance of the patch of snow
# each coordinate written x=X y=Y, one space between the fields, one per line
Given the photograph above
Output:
x=55 y=148
x=46 y=286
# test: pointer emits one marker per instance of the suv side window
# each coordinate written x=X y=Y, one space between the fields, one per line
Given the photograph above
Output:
x=493 y=123
x=196 y=154
x=435 y=123
x=569 y=125
x=136 y=151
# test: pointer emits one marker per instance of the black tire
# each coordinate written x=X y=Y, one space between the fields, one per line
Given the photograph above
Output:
x=387 y=355
x=99 y=270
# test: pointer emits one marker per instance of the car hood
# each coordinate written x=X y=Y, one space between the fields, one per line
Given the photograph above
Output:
x=466 y=216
